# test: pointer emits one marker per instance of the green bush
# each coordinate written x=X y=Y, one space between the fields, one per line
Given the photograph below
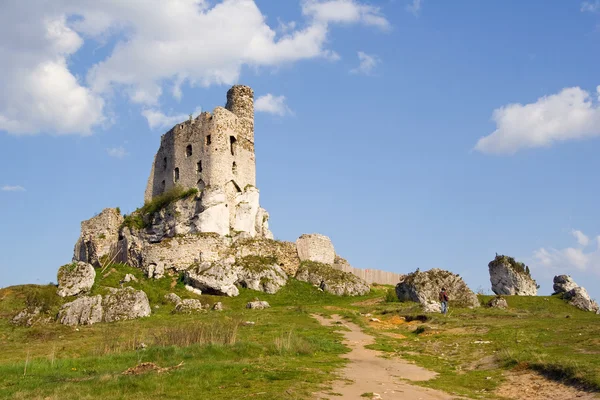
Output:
x=391 y=296
x=140 y=218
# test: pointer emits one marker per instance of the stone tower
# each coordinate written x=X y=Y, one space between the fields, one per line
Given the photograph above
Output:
x=211 y=150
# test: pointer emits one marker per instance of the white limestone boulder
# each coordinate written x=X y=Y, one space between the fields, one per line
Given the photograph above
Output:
x=261 y=274
x=315 y=247
x=498 y=302
x=258 y=305
x=27 y=317
x=332 y=280
x=172 y=298
x=431 y=307
x=124 y=304
x=85 y=310
x=188 y=306
x=563 y=284
x=424 y=288
x=579 y=297
x=214 y=278
x=509 y=277
x=75 y=278
x=246 y=209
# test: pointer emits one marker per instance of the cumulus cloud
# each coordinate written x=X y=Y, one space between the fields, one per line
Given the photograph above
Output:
x=344 y=11
x=367 y=64
x=272 y=105
x=414 y=7
x=585 y=257
x=117 y=152
x=8 y=188
x=571 y=114
x=159 y=48
x=590 y=6
x=158 y=120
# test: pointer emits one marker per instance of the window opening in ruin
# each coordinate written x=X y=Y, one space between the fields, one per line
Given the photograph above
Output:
x=176 y=174
x=163 y=186
x=199 y=167
x=208 y=141
x=232 y=144
x=234 y=168
x=165 y=163
x=188 y=150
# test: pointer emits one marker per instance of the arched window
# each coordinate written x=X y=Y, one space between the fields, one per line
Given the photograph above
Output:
x=188 y=150
x=165 y=163
x=199 y=167
x=176 y=174
x=163 y=185
x=208 y=141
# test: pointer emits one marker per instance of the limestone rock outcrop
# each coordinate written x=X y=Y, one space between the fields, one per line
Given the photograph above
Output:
x=563 y=284
x=579 y=297
x=576 y=295
x=99 y=237
x=75 y=278
x=332 y=280
x=258 y=305
x=85 y=310
x=509 y=277
x=315 y=247
x=498 y=302
x=424 y=288
x=431 y=307
x=261 y=274
x=172 y=298
x=27 y=317
x=188 y=306
x=214 y=278
x=124 y=304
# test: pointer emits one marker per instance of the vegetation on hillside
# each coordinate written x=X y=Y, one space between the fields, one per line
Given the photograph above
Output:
x=141 y=218
x=515 y=265
x=286 y=353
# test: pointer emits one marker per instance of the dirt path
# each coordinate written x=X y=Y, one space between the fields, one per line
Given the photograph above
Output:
x=367 y=372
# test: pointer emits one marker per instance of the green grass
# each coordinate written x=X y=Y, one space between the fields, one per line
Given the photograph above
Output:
x=140 y=218
x=286 y=354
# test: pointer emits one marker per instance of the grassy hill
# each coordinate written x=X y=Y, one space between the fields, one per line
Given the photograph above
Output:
x=286 y=353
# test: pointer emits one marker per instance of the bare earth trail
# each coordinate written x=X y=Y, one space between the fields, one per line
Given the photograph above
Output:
x=368 y=372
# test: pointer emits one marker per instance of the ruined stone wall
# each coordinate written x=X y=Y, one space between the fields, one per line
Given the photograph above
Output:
x=211 y=150
x=369 y=275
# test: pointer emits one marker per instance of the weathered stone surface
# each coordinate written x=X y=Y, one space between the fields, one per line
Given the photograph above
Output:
x=432 y=307
x=332 y=280
x=99 y=237
x=129 y=278
x=262 y=224
x=124 y=304
x=75 y=278
x=497 y=302
x=188 y=306
x=580 y=298
x=83 y=311
x=218 y=306
x=172 y=298
x=246 y=209
x=424 y=288
x=285 y=253
x=315 y=247
x=258 y=305
x=214 y=278
x=509 y=277
x=193 y=290
x=563 y=284
x=27 y=317
x=215 y=211
x=254 y=274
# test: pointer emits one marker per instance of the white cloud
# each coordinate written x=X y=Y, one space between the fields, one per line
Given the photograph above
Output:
x=344 y=11
x=589 y=6
x=7 y=188
x=569 y=115
x=159 y=48
x=117 y=152
x=157 y=119
x=582 y=239
x=551 y=261
x=367 y=64
x=272 y=105
x=414 y=7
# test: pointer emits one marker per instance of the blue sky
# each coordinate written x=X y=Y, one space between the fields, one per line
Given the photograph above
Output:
x=416 y=134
